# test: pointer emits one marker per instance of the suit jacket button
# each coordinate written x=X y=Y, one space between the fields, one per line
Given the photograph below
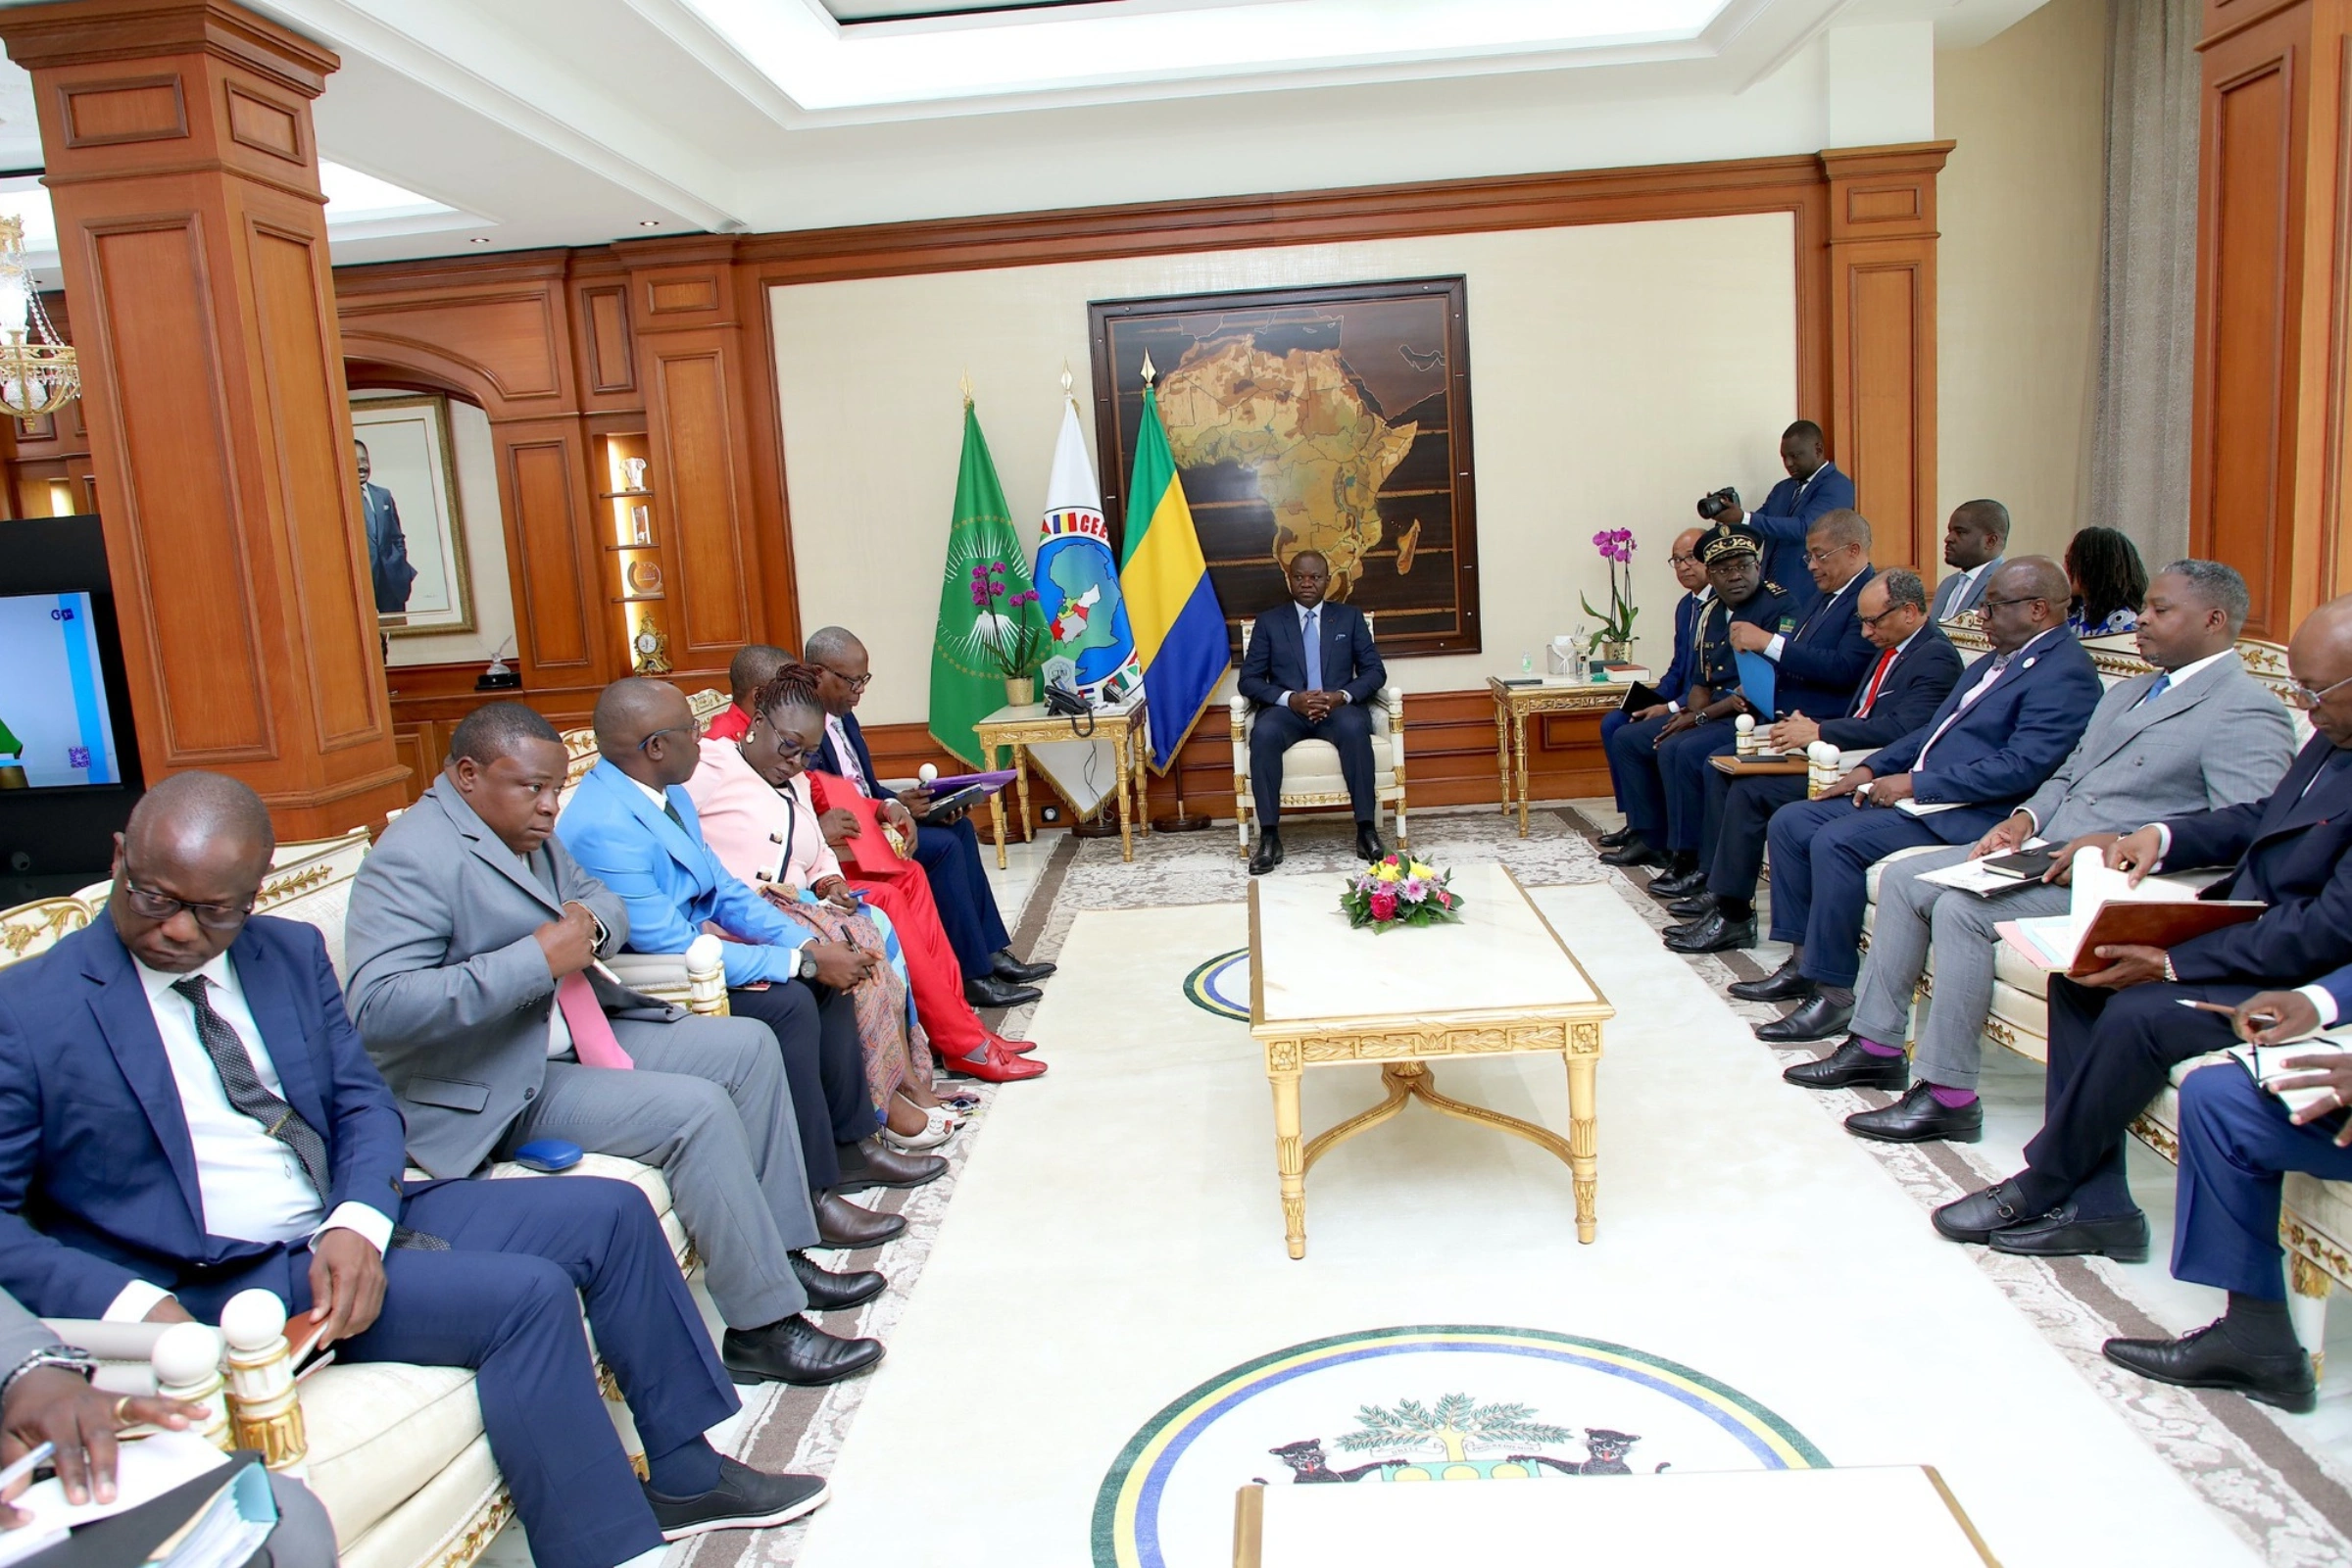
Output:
x=530 y=1094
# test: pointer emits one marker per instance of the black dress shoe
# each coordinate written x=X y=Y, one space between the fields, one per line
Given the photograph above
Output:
x=829 y=1291
x=1633 y=851
x=1816 y=1017
x=842 y=1223
x=1713 y=934
x=745 y=1498
x=2062 y=1233
x=2207 y=1358
x=1697 y=907
x=870 y=1162
x=1368 y=846
x=1269 y=853
x=1679 y=885
x=1976 y=1217
x=1614 y=836
x=990 y=992
x=1784 y=983
x=1919 y=1118
x=796 y=1351
x=1850 y=1066
x=1005 y=966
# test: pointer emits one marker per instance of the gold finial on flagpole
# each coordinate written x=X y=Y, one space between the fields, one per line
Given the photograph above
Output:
x=967 y=387
x=1150 y=374
x=1066 y=379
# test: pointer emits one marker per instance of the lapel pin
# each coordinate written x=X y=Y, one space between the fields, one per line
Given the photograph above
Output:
x=2028 y=664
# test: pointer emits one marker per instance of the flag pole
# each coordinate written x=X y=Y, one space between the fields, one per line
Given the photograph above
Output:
x=1182 y=820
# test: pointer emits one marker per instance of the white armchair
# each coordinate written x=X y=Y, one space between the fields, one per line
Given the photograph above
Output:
x=1310 y=770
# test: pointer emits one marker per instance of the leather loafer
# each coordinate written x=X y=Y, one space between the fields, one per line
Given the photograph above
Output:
x=842 y=1224
x=1784 y=983
x=1678 y=884
x=2062 y=1233
x=1368 y=846
x=1713 y=934
x=1976 y=1217
x=829 y=1291
x=1816 y=1017
x=1269 y=853
x=990 y=992
x=1919 y=1118
x=1614 y=836
x=1005 y=966
x=1697 y=907
x=745 y=1498
x=1850 y=1066
x=2207 y=1358
x=870 y=1162
x=1000 y=1064
x=796 y=1351
x=1633 y=851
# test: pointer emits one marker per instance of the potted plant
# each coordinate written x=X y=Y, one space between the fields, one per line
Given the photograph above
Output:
x=1614 y=641
x=1013 y=633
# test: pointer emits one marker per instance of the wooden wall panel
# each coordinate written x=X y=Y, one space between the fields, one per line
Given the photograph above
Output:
x=699 y=451
x=1888 y=446
x=558 y=611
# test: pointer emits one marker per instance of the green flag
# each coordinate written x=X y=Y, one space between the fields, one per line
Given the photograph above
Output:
x=989 y=629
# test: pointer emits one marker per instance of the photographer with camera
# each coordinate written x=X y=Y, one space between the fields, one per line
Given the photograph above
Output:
x=1813 y=488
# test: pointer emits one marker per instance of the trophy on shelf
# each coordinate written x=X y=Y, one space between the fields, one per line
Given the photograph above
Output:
x=641 y=523
x=632 y=474
x=499 y=677
x=653 y=648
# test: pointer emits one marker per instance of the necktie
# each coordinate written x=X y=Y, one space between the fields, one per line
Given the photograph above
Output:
x=671 y=810
x=1870 y=691
x=2163 y=683
x=592 y=1036
x=246 y=1091
x=1314 y=654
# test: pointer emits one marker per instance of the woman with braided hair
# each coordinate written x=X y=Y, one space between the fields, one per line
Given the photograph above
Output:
x=747 y=827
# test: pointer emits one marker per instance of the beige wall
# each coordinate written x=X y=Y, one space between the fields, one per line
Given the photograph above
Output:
x=2018 y=269
x=1618 y=371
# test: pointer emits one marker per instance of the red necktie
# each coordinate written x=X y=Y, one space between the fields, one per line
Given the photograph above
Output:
x=592 y=1036
x=1869 y=692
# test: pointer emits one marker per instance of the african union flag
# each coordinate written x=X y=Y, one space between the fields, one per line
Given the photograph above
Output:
x=1179 y=628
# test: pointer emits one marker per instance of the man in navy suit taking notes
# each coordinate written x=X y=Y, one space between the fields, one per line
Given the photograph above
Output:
x=1814 y=487
x=1311 y=670
x=186 y=1112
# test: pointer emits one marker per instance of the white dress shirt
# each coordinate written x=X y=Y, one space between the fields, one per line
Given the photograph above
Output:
x=839 y=734
x=1304 y=610
x=1772 y=648
x=1968 y=582
x=252 y=1185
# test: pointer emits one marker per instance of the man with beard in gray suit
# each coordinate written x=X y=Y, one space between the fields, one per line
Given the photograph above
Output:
x=473 y=943
x=2197 y=735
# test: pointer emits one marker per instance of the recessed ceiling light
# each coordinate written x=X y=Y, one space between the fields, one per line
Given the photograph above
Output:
x=649 y=223
x=477 y=240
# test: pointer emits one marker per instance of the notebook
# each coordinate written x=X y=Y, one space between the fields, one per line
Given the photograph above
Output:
x=2106 y=911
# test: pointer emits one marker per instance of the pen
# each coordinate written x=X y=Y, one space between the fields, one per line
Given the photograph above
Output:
x=25 y=1466
x=2257 y=1020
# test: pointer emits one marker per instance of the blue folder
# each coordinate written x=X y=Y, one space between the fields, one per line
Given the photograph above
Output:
x=1757 y=675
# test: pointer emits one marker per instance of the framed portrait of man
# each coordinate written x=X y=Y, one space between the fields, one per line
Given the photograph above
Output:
x=408 y=503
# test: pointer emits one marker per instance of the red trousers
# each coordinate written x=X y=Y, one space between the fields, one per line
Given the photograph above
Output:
x=932 y=972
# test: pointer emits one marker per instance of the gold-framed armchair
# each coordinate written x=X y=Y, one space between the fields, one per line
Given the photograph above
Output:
x=1311 y=780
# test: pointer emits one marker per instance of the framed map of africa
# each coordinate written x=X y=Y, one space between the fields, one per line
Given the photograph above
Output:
x=1333 y=419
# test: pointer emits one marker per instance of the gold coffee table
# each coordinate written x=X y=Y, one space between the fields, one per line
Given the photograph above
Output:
x=1019 y=728
x=1513 y=705
x=1498 y=981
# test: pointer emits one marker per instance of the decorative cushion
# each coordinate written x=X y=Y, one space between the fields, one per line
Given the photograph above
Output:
x=1312 y=767
x=381 y=1432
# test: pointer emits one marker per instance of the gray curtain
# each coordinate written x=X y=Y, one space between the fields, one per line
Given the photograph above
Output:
x=2139 y=440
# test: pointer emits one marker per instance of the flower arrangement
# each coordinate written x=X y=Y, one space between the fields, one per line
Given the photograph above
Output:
x=1395 y=891
x=1616 y=547
x=1011 y=633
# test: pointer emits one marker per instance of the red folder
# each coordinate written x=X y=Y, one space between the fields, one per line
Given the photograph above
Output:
x=878 y=850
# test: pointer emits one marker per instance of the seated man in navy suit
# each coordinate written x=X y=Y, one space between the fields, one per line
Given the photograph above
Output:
x=2237 y=1142
x=948 y=848
x=2012 y=719
x=1689 y=618
x=1814 y=487
x=1915 y=668
x=2116 y=1035
x=1311 y=668
x=186 y=1112
x=1816 y=666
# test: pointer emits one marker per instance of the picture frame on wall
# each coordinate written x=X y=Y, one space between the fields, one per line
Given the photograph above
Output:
x=1332 y=418
x=416 y=528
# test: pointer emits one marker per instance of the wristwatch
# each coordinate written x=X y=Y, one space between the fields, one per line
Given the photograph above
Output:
x=1698 y=716
x=803 y=962
x=66 y=1358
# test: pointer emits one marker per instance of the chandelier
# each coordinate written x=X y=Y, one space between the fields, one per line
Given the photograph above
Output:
x=38 y=372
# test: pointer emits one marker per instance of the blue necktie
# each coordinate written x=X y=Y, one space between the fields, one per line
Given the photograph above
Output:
x=1314 y=654
x=2164 y=681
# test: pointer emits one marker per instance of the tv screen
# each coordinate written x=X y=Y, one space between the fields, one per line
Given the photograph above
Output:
x=56 y=731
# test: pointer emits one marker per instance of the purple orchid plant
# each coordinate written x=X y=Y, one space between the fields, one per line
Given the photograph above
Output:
x=1015 y=638
x=1616 y=547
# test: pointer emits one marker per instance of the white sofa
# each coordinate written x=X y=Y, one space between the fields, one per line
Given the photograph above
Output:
x=2316 y=1223
x=1310 y=770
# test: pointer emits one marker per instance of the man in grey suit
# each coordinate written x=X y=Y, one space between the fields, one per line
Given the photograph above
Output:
x=472 y=943
x=1974 y=537
x=46 y=1397
x=2199 y=734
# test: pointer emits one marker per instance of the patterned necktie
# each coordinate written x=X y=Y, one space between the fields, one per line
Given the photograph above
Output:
x=246 y=1091
x=1314 y=654
x=2163 y=684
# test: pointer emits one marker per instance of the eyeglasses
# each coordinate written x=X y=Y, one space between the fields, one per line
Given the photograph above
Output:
x=675 y=729
x=1681 y=561
x=856 y=683
x=2304 y=696
x=1872 y=621
x=1819 y=558
x=786 y=750
x=150 y=905
x=1995 y=604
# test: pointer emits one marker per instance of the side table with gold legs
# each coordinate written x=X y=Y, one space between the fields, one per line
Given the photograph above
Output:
x=1019 y=728
x=1514 y=703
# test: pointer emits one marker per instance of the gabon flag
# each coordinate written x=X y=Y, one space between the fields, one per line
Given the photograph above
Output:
x=1179 y=627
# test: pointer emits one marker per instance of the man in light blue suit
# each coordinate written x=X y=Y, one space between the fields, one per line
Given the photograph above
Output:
x=632 y=826
x=1814 y=487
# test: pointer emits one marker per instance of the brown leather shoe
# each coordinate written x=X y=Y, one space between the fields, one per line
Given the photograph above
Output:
x=842 y=1223
x=870 y=1162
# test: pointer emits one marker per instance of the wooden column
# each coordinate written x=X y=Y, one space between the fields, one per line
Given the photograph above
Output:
x=1881 y=291
x=2267 y=489
x=181 y=164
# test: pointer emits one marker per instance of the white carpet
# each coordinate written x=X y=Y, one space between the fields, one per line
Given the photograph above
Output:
x=1116 y=1240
